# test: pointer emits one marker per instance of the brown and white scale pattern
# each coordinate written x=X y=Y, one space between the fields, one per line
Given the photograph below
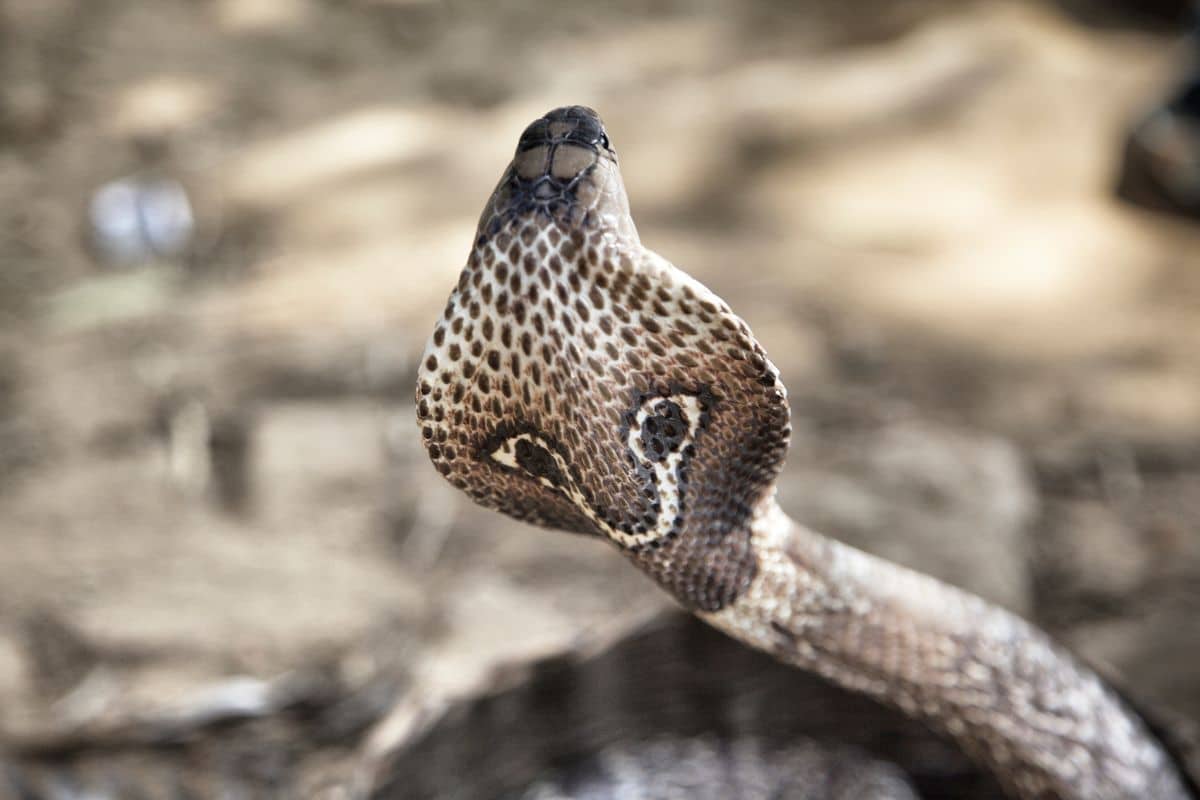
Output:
x=581 y=382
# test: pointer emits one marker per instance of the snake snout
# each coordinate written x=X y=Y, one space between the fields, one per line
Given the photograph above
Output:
x=577 y=125
x=565 y=170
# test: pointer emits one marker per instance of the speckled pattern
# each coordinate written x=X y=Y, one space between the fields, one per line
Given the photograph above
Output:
x=1020 y=705
x=579 y=381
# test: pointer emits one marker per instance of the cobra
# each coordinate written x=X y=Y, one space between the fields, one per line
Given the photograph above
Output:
x=579 y=381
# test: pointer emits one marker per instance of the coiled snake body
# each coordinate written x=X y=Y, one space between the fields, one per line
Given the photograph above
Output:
x=579 y=381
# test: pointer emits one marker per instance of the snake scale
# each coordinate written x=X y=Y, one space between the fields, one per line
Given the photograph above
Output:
x=579 y=381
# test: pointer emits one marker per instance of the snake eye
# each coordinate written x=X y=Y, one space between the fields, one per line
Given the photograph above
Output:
x=604 y=141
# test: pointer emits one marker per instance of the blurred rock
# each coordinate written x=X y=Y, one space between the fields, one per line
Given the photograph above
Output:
x=956 y=504
x=59 y=656
x=140 y=219
x=1089 y=550
x=1160 y=168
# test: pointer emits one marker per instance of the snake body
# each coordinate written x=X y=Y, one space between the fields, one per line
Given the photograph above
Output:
x=579 y=381
x=674 y=710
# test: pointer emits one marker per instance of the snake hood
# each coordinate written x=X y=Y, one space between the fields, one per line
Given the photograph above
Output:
x=579 y=381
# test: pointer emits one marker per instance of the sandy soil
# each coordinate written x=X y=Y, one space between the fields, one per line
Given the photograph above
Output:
x=209 y=468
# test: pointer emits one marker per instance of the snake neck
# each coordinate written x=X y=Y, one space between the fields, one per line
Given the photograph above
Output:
x=1011 y=698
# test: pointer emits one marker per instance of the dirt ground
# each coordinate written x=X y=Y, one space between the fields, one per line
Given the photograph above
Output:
x=209 y=468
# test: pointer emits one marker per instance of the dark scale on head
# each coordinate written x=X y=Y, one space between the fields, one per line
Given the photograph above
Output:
x=561 y=335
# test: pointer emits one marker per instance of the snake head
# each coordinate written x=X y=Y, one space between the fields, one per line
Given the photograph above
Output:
x=578 y=381
x=564 y=170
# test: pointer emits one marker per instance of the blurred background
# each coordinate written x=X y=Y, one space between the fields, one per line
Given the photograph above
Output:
x=227 y=226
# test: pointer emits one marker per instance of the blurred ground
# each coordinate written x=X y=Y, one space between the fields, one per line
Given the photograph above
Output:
x=209 y=468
